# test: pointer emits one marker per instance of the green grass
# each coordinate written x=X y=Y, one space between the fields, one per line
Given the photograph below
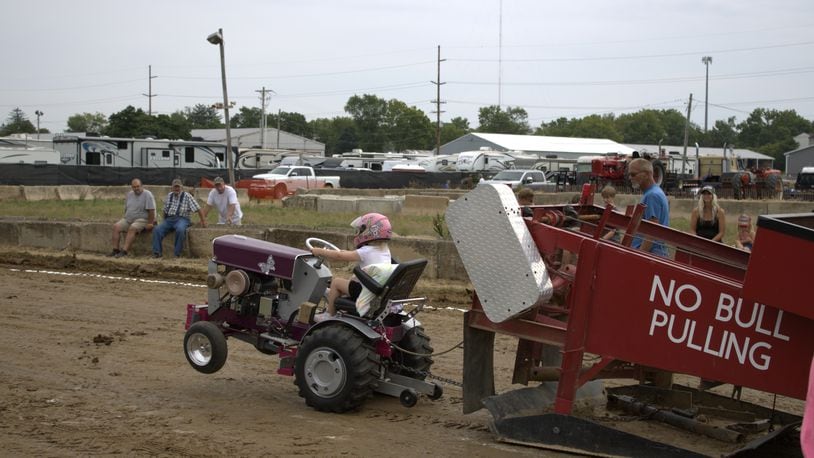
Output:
x=256 y=214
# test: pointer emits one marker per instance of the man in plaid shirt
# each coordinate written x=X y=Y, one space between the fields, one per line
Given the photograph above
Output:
x=178 y=206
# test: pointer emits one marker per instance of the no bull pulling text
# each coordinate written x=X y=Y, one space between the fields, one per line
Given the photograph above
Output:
x=716 y=342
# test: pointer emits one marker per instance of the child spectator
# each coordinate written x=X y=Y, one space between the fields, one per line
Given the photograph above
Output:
x=746 y=234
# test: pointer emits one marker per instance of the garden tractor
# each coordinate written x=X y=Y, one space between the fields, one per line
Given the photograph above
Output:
x=265 y=294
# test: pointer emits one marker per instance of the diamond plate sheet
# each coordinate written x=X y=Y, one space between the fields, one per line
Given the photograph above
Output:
x=498 y=252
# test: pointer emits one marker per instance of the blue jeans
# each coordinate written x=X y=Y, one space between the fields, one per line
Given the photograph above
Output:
x=178 y=224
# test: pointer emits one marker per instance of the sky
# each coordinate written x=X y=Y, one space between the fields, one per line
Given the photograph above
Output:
x=552 y=58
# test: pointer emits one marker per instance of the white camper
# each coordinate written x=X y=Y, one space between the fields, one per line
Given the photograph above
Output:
x=483 y=160
x=138 y=152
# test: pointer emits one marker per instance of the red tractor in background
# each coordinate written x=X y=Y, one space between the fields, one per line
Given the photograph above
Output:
x=767 y=182
x=612 y=170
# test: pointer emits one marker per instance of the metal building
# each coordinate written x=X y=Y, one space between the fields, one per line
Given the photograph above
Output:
x=252 y=138
x=562 y=147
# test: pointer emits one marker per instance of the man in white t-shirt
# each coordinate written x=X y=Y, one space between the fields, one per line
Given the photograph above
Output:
x=224 y=198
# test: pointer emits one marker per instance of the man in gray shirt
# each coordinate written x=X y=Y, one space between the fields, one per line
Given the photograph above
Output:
x=139 y=214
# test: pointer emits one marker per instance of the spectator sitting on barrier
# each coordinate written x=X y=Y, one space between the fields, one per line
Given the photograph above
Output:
x=708 y=219
x=373 y=232
x=224 y=198
x=139 y=214
x=525 y=197
x=177 y=208
x=657 y=209
x=746 y=233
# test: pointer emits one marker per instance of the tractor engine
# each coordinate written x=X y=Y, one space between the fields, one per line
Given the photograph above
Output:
x=255 y=278
x=247 y=293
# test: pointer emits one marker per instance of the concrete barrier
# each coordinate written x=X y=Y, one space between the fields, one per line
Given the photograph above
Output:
x=385 y=205
x=11 y=193
x=110 y=192
x=10 y=232
x=305 y=202
x=36 y=193
x=74 y=192
x=48 y=234
x=337 y=204
x=424 y=205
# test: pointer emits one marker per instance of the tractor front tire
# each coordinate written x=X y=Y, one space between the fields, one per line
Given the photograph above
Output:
x=336 y=369
x=205 y=347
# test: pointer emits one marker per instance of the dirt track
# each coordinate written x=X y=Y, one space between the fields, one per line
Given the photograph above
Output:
x=93 y=365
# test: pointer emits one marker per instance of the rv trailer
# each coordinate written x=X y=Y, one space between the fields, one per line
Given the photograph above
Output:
x=138 y=152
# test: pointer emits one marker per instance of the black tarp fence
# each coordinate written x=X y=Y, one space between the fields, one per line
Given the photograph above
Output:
x=57 y=175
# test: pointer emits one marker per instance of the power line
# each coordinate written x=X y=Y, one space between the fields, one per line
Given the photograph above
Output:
x=305 y=75
x=791 y=71
x=641 y=56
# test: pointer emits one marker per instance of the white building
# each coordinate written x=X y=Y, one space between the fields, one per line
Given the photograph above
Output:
x=562 y=147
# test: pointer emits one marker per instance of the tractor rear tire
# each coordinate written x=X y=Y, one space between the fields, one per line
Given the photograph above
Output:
x=773 y=187
x=205 y=347
x=658 y=172
x=417 y=366
x=336 y=369
x=739 y=182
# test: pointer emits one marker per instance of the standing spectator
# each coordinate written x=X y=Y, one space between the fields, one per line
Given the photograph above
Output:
x=657 y=208
x=139 y=214
x=707 y=219
x=608 y=196
x=525 y=197
x=224 y=198
x=746 y=233
x=177 y=208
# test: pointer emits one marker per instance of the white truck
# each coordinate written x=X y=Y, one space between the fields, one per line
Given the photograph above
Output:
x=516 y=179
x=295 y=177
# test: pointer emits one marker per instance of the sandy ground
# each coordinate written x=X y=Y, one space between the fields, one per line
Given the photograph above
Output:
x=93 y=365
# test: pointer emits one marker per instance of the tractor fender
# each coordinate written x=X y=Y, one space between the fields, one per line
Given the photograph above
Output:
x=353 y=323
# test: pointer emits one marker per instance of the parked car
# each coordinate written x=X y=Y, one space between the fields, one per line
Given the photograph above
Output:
x=533 y=179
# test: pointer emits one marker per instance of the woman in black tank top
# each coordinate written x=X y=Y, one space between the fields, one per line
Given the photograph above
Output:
x=708 y=219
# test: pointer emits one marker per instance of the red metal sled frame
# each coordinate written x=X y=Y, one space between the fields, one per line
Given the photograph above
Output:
x=617 y=303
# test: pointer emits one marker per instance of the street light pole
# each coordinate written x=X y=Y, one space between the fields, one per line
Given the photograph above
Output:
x=38 y=113
x=706 y=60
x=217 y=39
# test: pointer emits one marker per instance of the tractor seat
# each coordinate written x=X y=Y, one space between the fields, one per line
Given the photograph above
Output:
x=398 y=286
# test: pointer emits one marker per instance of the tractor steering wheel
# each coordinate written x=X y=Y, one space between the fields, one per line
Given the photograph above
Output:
x=309 y=242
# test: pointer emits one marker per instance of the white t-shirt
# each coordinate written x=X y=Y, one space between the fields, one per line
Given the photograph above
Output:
x=373 y=254
x=222 y=202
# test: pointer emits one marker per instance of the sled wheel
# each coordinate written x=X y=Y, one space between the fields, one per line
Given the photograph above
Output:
x=408 y=397
x=336 y=369
x=437 y=392
x=414 y=341
x=205 y=347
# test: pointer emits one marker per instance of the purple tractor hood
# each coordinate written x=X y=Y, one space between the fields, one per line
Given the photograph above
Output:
x=256 y=255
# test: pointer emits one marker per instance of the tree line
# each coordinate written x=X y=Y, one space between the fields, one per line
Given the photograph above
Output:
x=375 y=124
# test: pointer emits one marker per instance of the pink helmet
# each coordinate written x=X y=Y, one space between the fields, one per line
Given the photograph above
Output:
x=371 y=226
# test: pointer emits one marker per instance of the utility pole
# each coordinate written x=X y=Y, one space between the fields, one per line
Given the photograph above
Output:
x=438 y=103
x=687 y=135
x=500 y=55
x=150 y=94
x=706 y=60
x=263 y=119
x=279 y=113
x=38 y=113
